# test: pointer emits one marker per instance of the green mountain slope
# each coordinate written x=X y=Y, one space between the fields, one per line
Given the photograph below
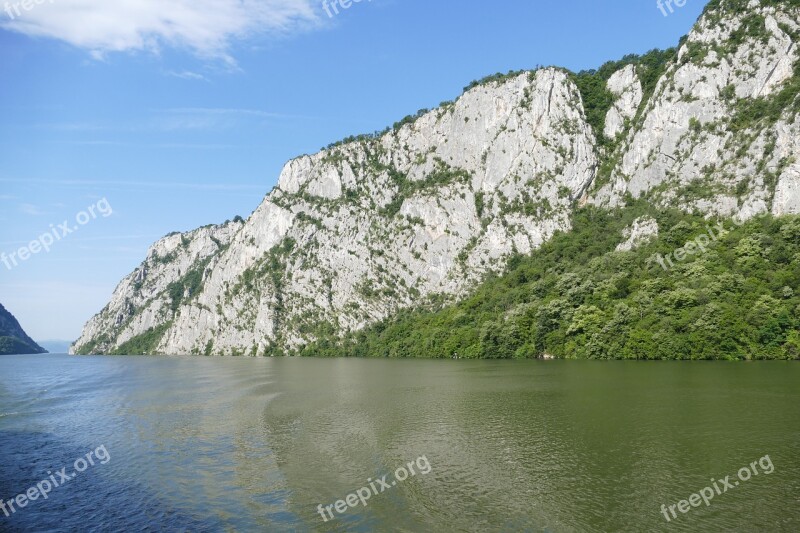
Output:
x=13 y=340
x=577 y=297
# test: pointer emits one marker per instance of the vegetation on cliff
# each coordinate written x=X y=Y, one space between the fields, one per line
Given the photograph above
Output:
x=577 y=297
x=13 y=340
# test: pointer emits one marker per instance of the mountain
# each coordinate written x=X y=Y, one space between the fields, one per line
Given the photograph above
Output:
x=56 y=346
x=13 y=340
x=423 y=213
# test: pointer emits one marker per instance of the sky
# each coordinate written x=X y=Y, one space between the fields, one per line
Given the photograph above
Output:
x=131 y=119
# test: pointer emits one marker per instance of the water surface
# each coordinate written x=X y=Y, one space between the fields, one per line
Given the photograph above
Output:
x=210 y=444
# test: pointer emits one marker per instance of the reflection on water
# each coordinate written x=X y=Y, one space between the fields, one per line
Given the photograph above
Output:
x=202 y=444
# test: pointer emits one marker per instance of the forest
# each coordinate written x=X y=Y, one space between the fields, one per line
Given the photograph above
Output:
x=577 y=297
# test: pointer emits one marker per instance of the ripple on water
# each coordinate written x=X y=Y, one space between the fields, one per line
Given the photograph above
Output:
x=202 y=444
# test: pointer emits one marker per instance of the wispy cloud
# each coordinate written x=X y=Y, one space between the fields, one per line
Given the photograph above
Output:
x=187 y=75
x=145 y=238
x=99 y=143
x=31 y=210
x=147 y=185
x=70 y=126
x=175 y=119
x=224 y=111
x=205 y=118
x=179 y=146
x=205 y=27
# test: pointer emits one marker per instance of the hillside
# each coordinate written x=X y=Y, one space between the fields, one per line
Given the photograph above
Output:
x=587 y=295
x=13 y=340
x=425 y=211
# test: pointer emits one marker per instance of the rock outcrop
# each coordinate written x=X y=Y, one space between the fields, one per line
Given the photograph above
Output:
x=628 y=93
x=642 y=230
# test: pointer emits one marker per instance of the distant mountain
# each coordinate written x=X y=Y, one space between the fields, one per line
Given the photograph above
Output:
x=13 y=340
x=56 y=346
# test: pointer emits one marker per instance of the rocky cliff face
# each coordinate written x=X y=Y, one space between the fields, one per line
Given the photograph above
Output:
x=627 y=89
x=365 y=228
x=720 y=134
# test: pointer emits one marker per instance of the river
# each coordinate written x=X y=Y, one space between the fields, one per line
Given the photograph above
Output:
x=240 y=444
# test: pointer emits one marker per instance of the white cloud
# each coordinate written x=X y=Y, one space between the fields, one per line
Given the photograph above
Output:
x=31 y=210
x=205 y=27
x=187 y=75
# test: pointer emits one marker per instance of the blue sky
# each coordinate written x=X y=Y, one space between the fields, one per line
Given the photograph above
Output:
x=183 y=113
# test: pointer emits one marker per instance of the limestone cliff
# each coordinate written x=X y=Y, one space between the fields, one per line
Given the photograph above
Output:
x=377 y=224
x=721 y=133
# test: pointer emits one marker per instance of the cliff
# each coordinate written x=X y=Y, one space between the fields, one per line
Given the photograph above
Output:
x=425 y=210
